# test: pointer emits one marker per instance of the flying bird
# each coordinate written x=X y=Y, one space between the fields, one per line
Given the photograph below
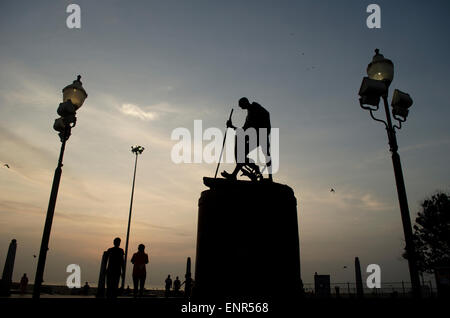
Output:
x=6 y=165
x=332 y=190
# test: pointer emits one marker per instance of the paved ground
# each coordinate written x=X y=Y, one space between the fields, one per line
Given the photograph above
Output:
x=163 y=307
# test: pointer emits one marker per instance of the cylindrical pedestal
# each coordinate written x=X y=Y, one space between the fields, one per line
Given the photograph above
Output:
x=247 y=240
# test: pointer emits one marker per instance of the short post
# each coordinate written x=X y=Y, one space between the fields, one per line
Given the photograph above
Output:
x=188 y=279
x=8 y=269
x=336 y=288
x=359 y=284
x=102 y=275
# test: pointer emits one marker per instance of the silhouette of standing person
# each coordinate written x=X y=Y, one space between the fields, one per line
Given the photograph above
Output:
x=23 y=284
x=139 y=259
x=86 y=288
x=176 y=286
x=114 y=268
x=257 y=117
x=168 y=285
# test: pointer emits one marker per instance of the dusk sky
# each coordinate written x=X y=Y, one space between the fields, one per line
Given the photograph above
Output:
x=152 y=66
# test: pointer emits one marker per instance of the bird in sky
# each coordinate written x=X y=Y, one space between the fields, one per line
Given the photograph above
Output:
x=332 y=190
x=6 y=165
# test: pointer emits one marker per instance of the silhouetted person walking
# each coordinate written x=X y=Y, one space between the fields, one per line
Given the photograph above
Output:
x=257 y=117
x=139 y=259
x=114 y=269
x=168 y=285
x=23 y=284
x=176 y=286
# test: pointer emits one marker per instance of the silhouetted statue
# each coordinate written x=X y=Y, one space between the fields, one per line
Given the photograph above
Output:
x=114 y=269
x=176 y=286
x=257 y=117
x=168 y=285
x=23 y=284
x=139 y=259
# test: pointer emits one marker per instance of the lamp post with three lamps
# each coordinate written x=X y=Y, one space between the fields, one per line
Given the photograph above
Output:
x=380 y=74
x=73 y=97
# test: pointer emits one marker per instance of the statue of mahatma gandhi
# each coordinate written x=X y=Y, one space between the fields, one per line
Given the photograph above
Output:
x=258 y=119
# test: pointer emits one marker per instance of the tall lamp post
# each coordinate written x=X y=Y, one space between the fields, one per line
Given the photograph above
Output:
x=73 y=97
x=380 y=74
x=137 y=150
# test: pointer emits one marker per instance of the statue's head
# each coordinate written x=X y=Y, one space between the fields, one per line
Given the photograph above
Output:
x=117 y=242
x=244 y=103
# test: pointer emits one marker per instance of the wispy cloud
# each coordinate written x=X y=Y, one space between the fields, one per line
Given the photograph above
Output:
x=20 y=86
x=427 y=144
x=17 y=152
x=138 y=112
x=347 y=200
x=369 y=202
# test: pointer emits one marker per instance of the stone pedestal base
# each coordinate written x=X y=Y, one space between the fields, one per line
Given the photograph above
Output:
x=247 y=240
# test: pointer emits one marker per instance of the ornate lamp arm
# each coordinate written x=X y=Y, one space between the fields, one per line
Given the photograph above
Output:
x=376 y=119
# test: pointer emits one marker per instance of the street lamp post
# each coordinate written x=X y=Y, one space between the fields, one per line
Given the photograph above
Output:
x=73 y=97
x=137 y=150
x=380 y=74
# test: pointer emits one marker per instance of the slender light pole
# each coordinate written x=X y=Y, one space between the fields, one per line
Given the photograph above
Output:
x=403 y=201
x=380 y=74
x=73 y=97
x=137 y=150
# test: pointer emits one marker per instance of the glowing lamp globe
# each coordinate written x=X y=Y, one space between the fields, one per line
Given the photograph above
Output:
x=75 y=92
x=381 y=69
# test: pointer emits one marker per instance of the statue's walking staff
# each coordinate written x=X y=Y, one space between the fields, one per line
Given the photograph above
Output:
x=223 y=145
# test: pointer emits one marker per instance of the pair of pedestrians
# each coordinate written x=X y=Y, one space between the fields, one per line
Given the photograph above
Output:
x=116 y=266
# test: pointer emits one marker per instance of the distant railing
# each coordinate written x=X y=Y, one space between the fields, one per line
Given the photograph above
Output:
x=388 y=289
x=346 y=290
